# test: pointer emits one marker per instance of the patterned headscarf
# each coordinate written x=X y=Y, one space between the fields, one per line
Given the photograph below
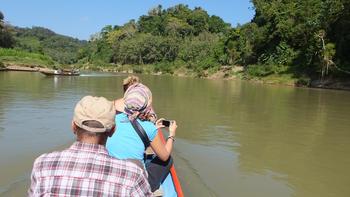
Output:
x=138 y=103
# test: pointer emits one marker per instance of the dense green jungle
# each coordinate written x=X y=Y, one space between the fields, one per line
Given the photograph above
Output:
x=295 y=42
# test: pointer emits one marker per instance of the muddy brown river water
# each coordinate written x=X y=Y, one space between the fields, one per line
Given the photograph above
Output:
x=234 y=138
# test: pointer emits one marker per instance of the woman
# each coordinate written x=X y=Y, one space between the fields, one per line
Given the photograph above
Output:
x=126 y=142
x=127 y=82
x=119 y=103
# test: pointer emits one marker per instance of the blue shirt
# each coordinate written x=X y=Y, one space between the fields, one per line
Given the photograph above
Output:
x=125 y=143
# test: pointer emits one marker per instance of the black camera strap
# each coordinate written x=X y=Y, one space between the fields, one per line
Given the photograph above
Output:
x=141 y=132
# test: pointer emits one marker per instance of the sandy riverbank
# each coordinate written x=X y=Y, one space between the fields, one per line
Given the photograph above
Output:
x=222 y=74
x=24 y=68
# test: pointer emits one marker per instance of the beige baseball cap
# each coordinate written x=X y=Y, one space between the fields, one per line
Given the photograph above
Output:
x=94 y=108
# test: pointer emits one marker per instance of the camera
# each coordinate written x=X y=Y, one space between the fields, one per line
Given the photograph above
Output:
x=166 y=123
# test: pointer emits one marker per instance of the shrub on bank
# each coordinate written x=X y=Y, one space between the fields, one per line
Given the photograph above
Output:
x=164 y=67
x=258 y=70
x=23 y=57
x=303 y=81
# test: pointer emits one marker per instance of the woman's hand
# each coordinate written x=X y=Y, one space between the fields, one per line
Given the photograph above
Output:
x=172 y=128
x=159 y=123
x=163 y=152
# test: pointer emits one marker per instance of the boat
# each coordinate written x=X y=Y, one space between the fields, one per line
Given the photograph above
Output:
x=21 y=68
x=171 y=186
x=60 y=72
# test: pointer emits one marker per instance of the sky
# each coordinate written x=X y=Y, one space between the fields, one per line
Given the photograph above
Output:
x=82 y=18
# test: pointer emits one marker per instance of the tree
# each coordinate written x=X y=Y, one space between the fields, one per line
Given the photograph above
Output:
x=1 y=16
x=217 y=25
x=62 y=49
x=282 y=37
x=177 y=27
x=339 y=34
x=199 y=20
x=289 y=29
x=156 y=11
x=151 y=24
x=6 y=38
x=105 y=30
x=179 y=11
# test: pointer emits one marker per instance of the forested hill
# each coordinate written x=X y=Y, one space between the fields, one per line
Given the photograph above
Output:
x=302 y=38
x=30 y=45
x=169 y=39
x=60 y=48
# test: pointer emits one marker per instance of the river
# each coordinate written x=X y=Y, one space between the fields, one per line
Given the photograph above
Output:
x=234 y=138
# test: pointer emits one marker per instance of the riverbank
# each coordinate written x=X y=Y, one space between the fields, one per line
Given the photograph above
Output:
x=229 y=73
x=24 y=68
x=223 y=73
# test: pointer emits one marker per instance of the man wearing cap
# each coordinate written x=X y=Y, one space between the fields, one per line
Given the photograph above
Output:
x=86 y=169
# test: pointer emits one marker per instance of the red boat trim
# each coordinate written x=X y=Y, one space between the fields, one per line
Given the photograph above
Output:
x=176 y=180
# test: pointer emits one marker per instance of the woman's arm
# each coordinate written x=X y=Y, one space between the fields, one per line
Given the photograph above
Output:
x=161 y=150
x=119 y=105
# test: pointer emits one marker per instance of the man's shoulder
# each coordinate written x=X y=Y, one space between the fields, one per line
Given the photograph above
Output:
x=129 y=165
x=114 y=166
x=48 y=157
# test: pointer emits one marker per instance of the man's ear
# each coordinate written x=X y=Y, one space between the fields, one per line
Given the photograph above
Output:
x=74 y=128
x=111 y=132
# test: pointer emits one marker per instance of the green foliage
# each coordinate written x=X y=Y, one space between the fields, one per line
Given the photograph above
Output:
x=245 y=43
x=284 y=36
x=217 y=25
x=101 y=52
x=23 y=57
x=23 y=54
x=137 y=69
x=168 y=39
x=153 y=22
x=303 y=81
x=176 y=27
x=6 y=38
x=329 y=51
x=62 y=49
x=30 y=44
x=259 y=70
x=140 y=49
x=199 y=50
x=279 y=60
x=164 y=67
x=199 y=19
x=339 y=34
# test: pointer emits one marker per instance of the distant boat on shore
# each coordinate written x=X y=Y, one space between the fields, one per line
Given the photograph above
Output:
x=61 y=72
x=20 y=68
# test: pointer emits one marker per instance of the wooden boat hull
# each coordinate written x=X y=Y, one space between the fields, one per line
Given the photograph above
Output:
x=171 y=185
x=21 y=68
x=59 y=74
